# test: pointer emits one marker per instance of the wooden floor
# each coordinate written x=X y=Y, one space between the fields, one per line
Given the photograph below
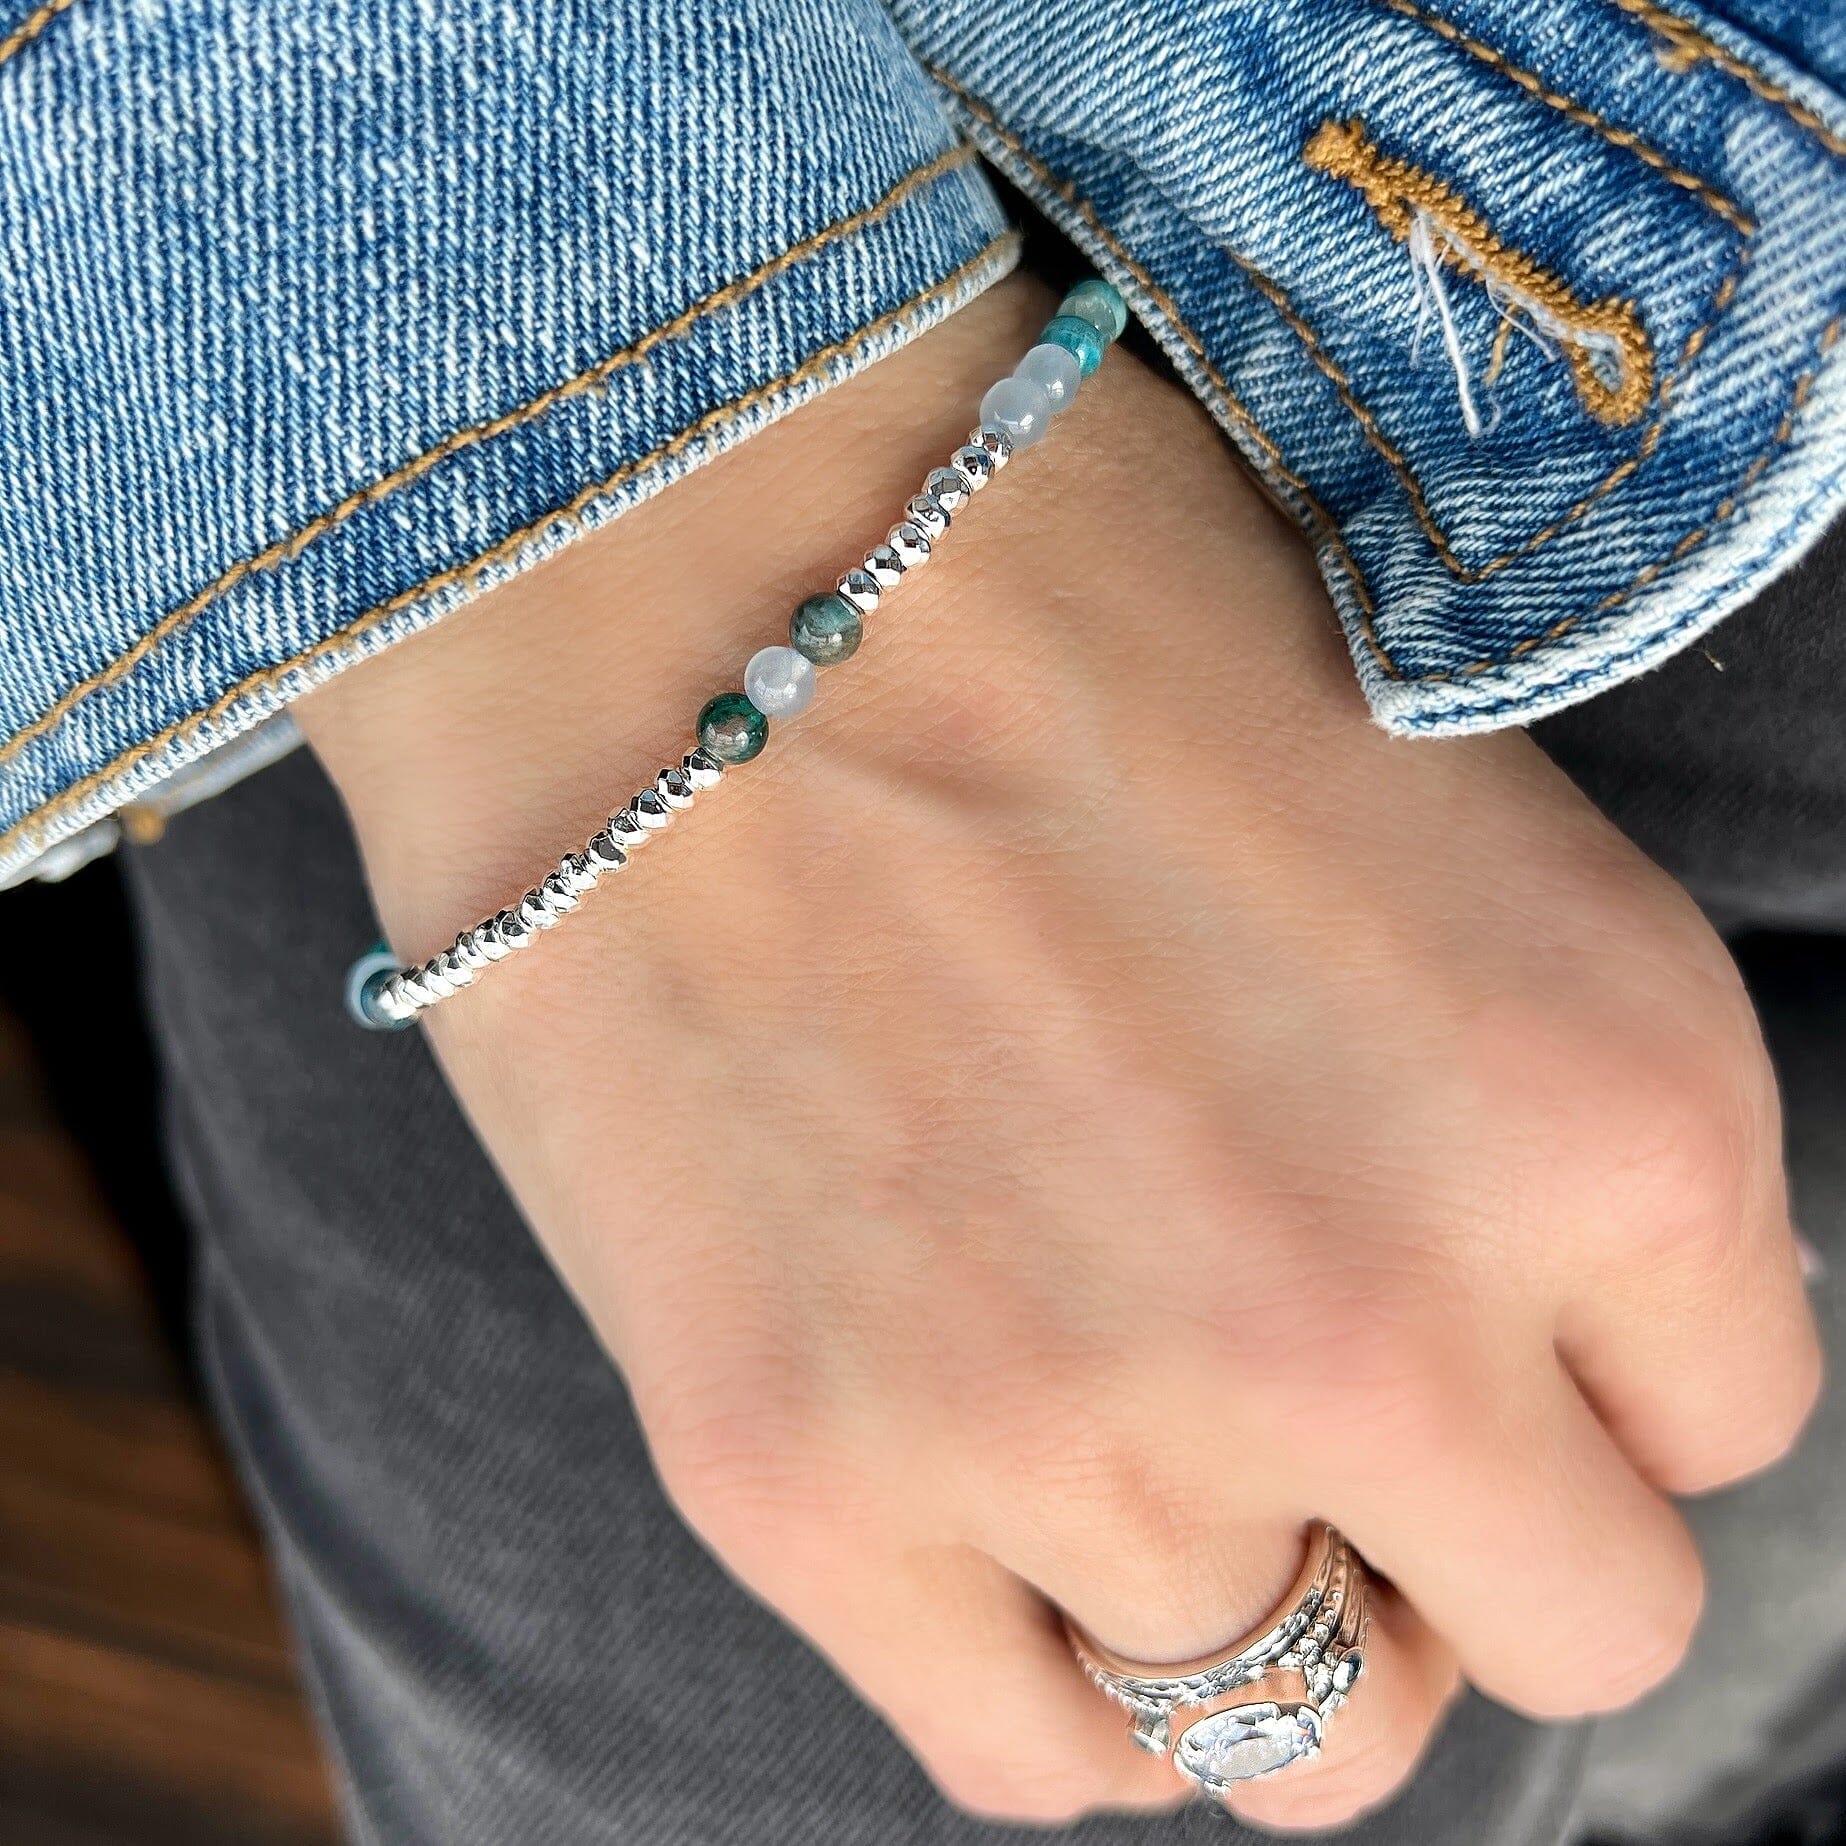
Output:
x=146 y=1692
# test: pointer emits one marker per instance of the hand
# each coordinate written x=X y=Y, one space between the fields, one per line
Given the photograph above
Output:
x=1086 y=1102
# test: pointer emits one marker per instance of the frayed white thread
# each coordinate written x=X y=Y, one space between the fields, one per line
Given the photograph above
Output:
x=1433 y=297
x=1520 y=311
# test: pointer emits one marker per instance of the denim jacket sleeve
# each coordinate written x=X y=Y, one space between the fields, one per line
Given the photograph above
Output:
x=318 y=321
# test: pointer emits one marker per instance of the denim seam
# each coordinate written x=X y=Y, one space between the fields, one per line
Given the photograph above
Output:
x=31 y=26
x=285 y=550
x=465 y=575
x=1693 y=46
x=1367 y=627
x=1323 y=361
x=1534 y=85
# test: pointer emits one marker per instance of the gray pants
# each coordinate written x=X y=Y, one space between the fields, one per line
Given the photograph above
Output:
x=504 y=1625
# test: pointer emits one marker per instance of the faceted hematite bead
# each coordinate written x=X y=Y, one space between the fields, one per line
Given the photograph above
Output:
x=779 y=682
x=949 y=488
x=650 y=810
x=994 y=443
x=603 y=853
x=910 y=542
x=1078 y=337
x=975 y=466
x=577 y=873
x=1020 y=409
x=732 y=729
x=928 y=512
x=627 y=832
x=884 y=567
x=674 y=787
x=860 y=588
x=827 y=629
x=1096 y=302
x=1058 y=369
x=702 y=769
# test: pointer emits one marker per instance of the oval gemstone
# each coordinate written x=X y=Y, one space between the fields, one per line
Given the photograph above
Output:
x=1245 y=1742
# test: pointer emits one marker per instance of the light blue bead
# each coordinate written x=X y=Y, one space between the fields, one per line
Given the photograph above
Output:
x=1079 y=337
x=1058 y=369
x=1019 y=407
x=1096 y=302
x=363 y=980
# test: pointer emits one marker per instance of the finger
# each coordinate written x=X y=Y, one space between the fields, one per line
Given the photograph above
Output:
x=1371 y=1745
x=1705 y=1363
x=974 y=1673
x=1192 y=1597
x=1563 y=1581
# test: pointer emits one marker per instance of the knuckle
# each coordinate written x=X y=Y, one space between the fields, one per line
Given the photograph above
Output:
x=1766 y=1419
x=1613 y=1670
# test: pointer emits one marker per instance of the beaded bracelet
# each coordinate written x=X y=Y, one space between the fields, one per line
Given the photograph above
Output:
x=779 y=682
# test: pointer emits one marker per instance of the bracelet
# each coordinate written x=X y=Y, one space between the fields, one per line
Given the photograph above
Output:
x=778 y=682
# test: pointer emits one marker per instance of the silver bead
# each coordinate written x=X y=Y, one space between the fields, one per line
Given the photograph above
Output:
x=884 y=567
x=674 y=787
x=512 y=929
x=703 y=770
x=995 y=443
x=434 y=981
x=574 y=874
x=860 y=588
x=468 y=950
x=652 y=812
x=413 y=991
x=948 y=487
x=454 y=970
x=975 y=466
x=603 y=853
x=535 y=913
x=910 y=542
x=392 y=1001
x=926 y=511
x=555 y=893
x=627 y=832
x=488 y=940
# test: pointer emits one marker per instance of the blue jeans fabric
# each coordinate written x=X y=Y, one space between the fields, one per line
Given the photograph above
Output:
x=321 y=320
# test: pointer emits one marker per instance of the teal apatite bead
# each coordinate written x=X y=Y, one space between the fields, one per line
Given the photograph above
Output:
x=1096 y=302
x=732 y=729
x=1079 y=337
x=826 y=630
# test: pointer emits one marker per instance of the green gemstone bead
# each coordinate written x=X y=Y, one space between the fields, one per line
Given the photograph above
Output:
x=732 y=729
x=1096 y=302
x=826 y=630
x=1079 y=337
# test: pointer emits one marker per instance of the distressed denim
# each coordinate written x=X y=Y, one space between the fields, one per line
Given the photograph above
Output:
x=318 y=321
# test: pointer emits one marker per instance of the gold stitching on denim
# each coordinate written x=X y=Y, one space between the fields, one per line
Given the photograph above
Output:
x=469 y=574
x=31 y=26
x=286 y=549
x=1329 y=535
x=1588 y=118
x=1690 y=46
x=1342 y=384
x=1400 y=193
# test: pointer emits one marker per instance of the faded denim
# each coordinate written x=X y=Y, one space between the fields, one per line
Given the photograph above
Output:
x=319 y=320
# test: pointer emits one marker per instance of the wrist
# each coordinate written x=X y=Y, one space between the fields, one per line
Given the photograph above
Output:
x=474 y=755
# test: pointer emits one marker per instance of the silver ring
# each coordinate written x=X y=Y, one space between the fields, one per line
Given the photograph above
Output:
x=1305 y=1659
